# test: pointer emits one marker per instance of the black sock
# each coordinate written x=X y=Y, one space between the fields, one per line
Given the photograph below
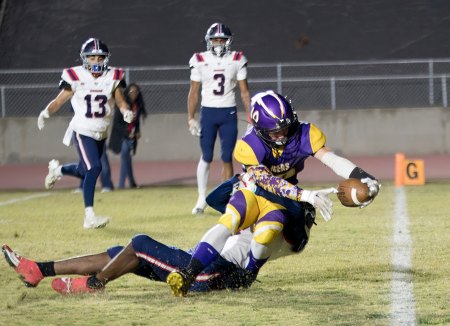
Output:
x=94 y=283
x=47 y=268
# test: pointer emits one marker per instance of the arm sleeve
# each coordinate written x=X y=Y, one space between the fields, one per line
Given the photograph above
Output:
x=273 y=184
x=341 y=166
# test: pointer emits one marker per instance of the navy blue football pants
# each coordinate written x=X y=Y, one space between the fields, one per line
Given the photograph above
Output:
x=157 y=260
x=222 y=121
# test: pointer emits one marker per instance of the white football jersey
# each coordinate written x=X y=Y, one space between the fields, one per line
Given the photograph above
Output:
x=93 y=100
x=218 y=76
x=237 y=248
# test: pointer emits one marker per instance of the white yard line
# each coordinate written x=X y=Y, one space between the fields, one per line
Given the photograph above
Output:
x=20 y=199
x=403 y=309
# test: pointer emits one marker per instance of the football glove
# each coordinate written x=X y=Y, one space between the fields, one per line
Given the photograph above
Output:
x=194 y=127
x=43 y=115
x=319 y=199
x=374 y=188
x=247 y=181
x=128 y=116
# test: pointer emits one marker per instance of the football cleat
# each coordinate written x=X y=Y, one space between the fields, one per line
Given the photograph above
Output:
x=53 y=175
x=28 y=270
x=67 y=285
x=200 y=207
x=95 y=222
x=179 y=283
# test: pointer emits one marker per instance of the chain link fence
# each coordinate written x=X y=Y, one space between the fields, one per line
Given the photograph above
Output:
x=311 y=86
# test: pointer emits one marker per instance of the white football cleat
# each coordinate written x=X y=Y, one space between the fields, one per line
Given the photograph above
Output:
x=199 y=207
x=91 y=221
x=54 y=174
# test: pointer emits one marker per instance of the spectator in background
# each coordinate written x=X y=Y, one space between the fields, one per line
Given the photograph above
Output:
x=124 y=136
x=216 y=71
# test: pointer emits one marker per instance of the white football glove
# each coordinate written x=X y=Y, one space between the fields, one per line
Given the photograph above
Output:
x=43 y=115
x=319 y=199
x=194 y=127
x=247 y=181
x=374 y=188
x=128 y=116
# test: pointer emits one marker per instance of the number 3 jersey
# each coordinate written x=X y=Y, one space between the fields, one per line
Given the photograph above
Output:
x=92 y=101
x=218 y=76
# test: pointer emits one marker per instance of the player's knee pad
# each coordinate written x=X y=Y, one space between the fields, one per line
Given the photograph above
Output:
x=264 y=234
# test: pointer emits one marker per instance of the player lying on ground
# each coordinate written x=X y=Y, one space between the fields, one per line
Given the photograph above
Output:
x=151 y=259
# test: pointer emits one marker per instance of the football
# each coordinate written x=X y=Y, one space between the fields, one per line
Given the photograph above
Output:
x=352 y=192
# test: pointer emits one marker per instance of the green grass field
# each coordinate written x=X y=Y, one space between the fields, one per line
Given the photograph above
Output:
x=343 y=277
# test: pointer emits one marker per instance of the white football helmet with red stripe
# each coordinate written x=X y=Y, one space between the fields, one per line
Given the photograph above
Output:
x=94 y=46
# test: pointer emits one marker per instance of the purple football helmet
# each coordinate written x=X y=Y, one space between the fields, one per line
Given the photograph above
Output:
x=271 y=113
x=94 y=46
x=218 y=30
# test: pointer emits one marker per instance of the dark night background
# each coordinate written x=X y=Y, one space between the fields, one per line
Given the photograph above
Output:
x=48 y=33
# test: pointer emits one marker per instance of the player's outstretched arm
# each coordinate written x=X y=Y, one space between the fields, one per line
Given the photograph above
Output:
x=347 y=169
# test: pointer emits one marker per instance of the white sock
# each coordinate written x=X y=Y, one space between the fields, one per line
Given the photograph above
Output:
x=58 y=171
x=89 y=211
x=202 y=178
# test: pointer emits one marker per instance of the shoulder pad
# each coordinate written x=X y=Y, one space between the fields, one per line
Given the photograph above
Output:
x=244 y=154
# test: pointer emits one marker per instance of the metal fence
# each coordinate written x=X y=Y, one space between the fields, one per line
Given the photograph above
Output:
x=311 y=86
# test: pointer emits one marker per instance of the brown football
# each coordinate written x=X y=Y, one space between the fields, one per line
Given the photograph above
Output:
x=352 y=192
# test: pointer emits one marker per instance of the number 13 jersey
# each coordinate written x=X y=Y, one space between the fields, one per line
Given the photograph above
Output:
x=218 y=76
x=93 y=100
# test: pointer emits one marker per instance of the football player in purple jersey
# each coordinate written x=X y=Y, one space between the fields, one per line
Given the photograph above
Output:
x=273 y=152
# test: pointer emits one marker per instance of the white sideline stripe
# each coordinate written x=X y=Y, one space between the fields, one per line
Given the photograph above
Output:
x=403 y=303
x=18 y=200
